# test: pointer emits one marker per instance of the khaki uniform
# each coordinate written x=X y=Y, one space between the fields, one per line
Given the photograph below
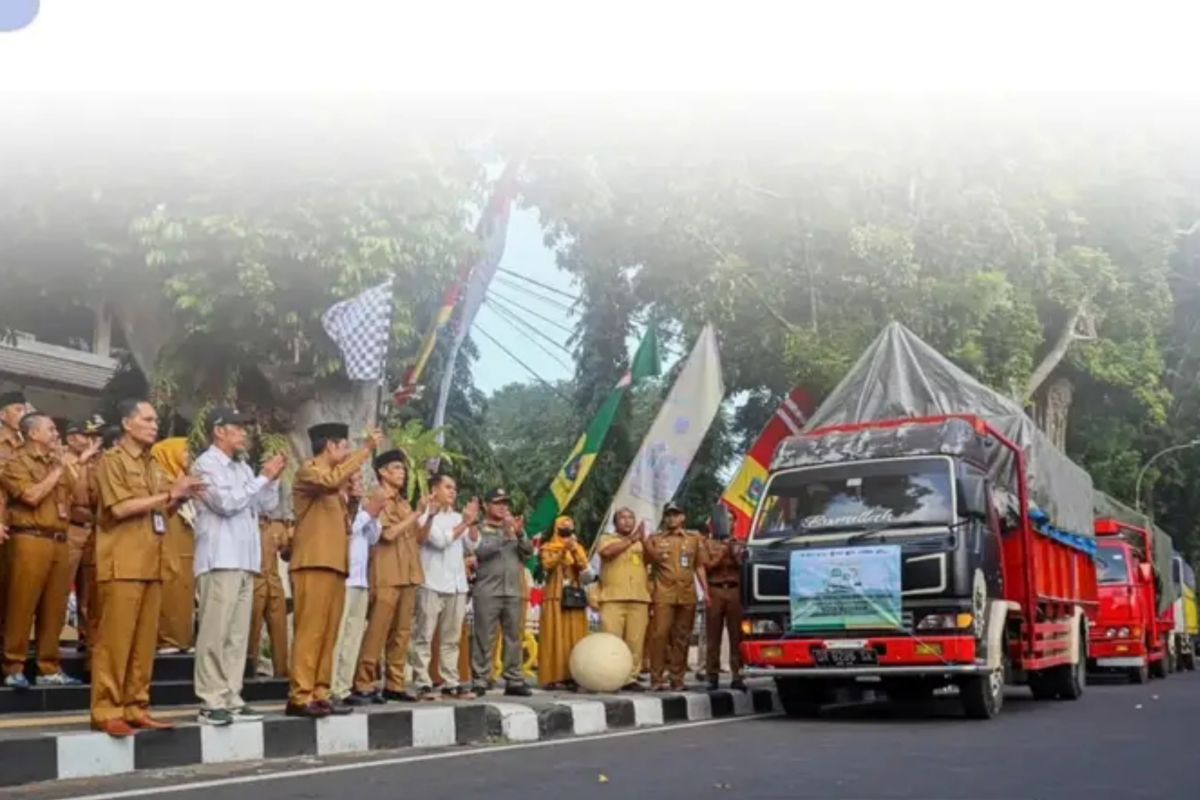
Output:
x=270 y=601
x=676 y=558
x=10 y=442
x=625 y=597
x=319 y=565
x=81 y=539
x=40 y=581
x=395 y=574
x=177 y=621
x=129 y=572
x=722 y=563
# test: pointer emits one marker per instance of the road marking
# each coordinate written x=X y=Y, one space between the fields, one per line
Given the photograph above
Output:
x=391 y=762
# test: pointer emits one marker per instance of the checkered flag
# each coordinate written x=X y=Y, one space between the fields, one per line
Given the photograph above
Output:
x=360 y=327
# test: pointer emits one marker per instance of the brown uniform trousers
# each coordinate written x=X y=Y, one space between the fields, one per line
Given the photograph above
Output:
x=395 y=574
x=624 y=598
x=270 y=601
x=722 y=562
x=129 y=573
x=10 y=441
x=40 y=582
x=177 y=619
x=676 y=558
x=319 y=565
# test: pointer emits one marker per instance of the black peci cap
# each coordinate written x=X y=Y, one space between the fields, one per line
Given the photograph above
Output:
x=390 y=457
x=73 y=428
x=12 y=398
x=672 y=508
x=497 y=496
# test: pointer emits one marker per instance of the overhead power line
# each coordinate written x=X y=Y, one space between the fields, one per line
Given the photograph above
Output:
x=526 y=290
x=516 y=323
x=508 y=301
x=538 y=283
x=517 y=359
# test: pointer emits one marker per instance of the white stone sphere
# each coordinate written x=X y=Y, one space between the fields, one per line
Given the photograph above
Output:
x=601 y=662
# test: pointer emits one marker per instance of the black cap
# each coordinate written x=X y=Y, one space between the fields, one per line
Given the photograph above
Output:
x=672 y=508
x=73 y=428
x=329 y=431
x=227 y=415
x=497 y=496
x=390 y=457
x=12 y=398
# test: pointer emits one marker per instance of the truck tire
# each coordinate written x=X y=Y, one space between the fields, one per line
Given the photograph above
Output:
x=1139 y=675
x=1041 y=685
x=1069 y=680
x=1158 y=669
x=983 y=695
x=800 y=697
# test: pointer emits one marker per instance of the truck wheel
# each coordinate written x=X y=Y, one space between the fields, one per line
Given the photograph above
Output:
x=801 y=697
x=1139 y=675
x=1158 y=669
x=1069 y=680
x=983 y=695
x=1041 y=685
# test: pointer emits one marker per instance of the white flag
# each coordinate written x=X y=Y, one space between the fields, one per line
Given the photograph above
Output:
x=681 y=425
x=361 y=327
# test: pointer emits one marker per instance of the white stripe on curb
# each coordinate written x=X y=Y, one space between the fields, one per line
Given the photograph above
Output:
x=588 y=716
x=346 y=734
x=518 y=723
x=240 y=742
x=647 y=711
x=699 y=706
x=433 y=727
x=89 y=755
x=743 y=703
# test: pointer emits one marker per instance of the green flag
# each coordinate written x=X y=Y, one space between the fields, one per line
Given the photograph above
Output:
x=573 y=473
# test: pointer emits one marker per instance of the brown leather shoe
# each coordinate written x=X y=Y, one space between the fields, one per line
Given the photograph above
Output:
x=116 y=728
x=149 y=723
x=313 y=710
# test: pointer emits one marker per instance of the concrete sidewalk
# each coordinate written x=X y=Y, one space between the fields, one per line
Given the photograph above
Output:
x=47 y=749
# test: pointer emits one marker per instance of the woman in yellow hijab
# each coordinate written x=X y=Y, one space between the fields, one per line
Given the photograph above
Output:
x=176 y=625
x=563 y=560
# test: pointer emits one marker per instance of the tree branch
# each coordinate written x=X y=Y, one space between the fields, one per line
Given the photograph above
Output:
x=1069 y=334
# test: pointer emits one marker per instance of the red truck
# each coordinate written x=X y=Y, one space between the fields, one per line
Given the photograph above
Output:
x=1133 y=629
x=919 y=534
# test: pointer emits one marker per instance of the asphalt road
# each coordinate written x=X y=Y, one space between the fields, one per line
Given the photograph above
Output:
x=1118 y=741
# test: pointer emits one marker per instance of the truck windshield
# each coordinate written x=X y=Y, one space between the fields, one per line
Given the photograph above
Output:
x=1111 y=565
x=899 y=493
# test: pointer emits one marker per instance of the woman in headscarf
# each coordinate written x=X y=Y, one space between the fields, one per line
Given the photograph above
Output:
x=176 y=626
x=563 y=560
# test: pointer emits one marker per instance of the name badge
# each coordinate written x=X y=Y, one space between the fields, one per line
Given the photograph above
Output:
x=684 y=560
x=160 y=522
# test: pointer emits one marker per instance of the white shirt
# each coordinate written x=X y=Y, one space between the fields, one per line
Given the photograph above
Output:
x=442 y=555
x=226 y=526
x=364 y=532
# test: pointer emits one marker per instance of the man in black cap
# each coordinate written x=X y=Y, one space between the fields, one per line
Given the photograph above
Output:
x=677 y=555
x=499 y=594
x=13 y=406
x=81 y=437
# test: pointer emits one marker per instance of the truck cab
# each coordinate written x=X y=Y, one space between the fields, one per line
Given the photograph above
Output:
x=1185 y=621
x=1124 y=636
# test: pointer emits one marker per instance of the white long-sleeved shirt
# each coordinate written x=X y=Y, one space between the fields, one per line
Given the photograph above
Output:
x=226 y=526
x=442 y=555
x=364 y=532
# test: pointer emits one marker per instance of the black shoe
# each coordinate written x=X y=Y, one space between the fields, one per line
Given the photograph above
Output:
x=398 y=697
x=426 y=694
x=519 y=690
x=738 y=685
x=357 y=700
x=310 y=711
x=713 y=685
x=635 y=687
x=480 y=689
x=338 y=707
x=377 y=698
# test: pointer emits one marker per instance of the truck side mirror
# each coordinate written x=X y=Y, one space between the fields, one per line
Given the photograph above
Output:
x=1146 y=571
x=721 y=524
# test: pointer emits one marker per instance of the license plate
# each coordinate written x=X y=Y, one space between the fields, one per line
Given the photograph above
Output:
x=845 y=657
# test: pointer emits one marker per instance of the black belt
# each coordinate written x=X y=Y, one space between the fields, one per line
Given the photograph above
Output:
x=57 y=536
x=733 y=585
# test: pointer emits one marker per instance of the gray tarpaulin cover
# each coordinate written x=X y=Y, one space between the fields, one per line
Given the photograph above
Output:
x=1111 y=508
x=901 y=376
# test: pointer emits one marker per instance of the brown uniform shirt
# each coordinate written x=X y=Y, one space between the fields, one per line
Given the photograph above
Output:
x=398 y=562
x=626 y=578
x=321 y=540
x=25 y=470
x=10 y=443
x=720 y=563
x=128 y=549
x=676 y=559
x=275 y=537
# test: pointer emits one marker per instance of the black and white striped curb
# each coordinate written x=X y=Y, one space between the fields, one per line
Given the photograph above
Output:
x=33 y=756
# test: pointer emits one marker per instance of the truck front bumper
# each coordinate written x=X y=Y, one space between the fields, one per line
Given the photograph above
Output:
x=896 y=655
x=1130 y=653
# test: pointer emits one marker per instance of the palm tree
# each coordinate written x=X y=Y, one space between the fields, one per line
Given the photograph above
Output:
x=424 y=453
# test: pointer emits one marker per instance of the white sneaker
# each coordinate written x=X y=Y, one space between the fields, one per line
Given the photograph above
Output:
x=58 y=679
x=246 y=714
x=169 y=651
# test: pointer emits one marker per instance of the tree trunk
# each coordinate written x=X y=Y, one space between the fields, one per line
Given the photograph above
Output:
x=1053 y=411
x=1069 y=334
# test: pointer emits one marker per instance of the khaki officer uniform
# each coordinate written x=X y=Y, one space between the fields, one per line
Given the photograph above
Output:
x=270 y=601
x=723 y=565
x=40 y=581
x=625 y=597
x=177 y=619
x=319 y=566
x=81 y=539
x=676 y=558
x=10 y=442
x=129 y=572
x=395 y=574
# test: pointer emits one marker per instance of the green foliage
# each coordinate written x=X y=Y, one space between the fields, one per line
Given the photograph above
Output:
x=422 y=447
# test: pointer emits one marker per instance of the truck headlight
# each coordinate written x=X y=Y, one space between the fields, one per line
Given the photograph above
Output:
x=760 y=627
x=945 y=622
